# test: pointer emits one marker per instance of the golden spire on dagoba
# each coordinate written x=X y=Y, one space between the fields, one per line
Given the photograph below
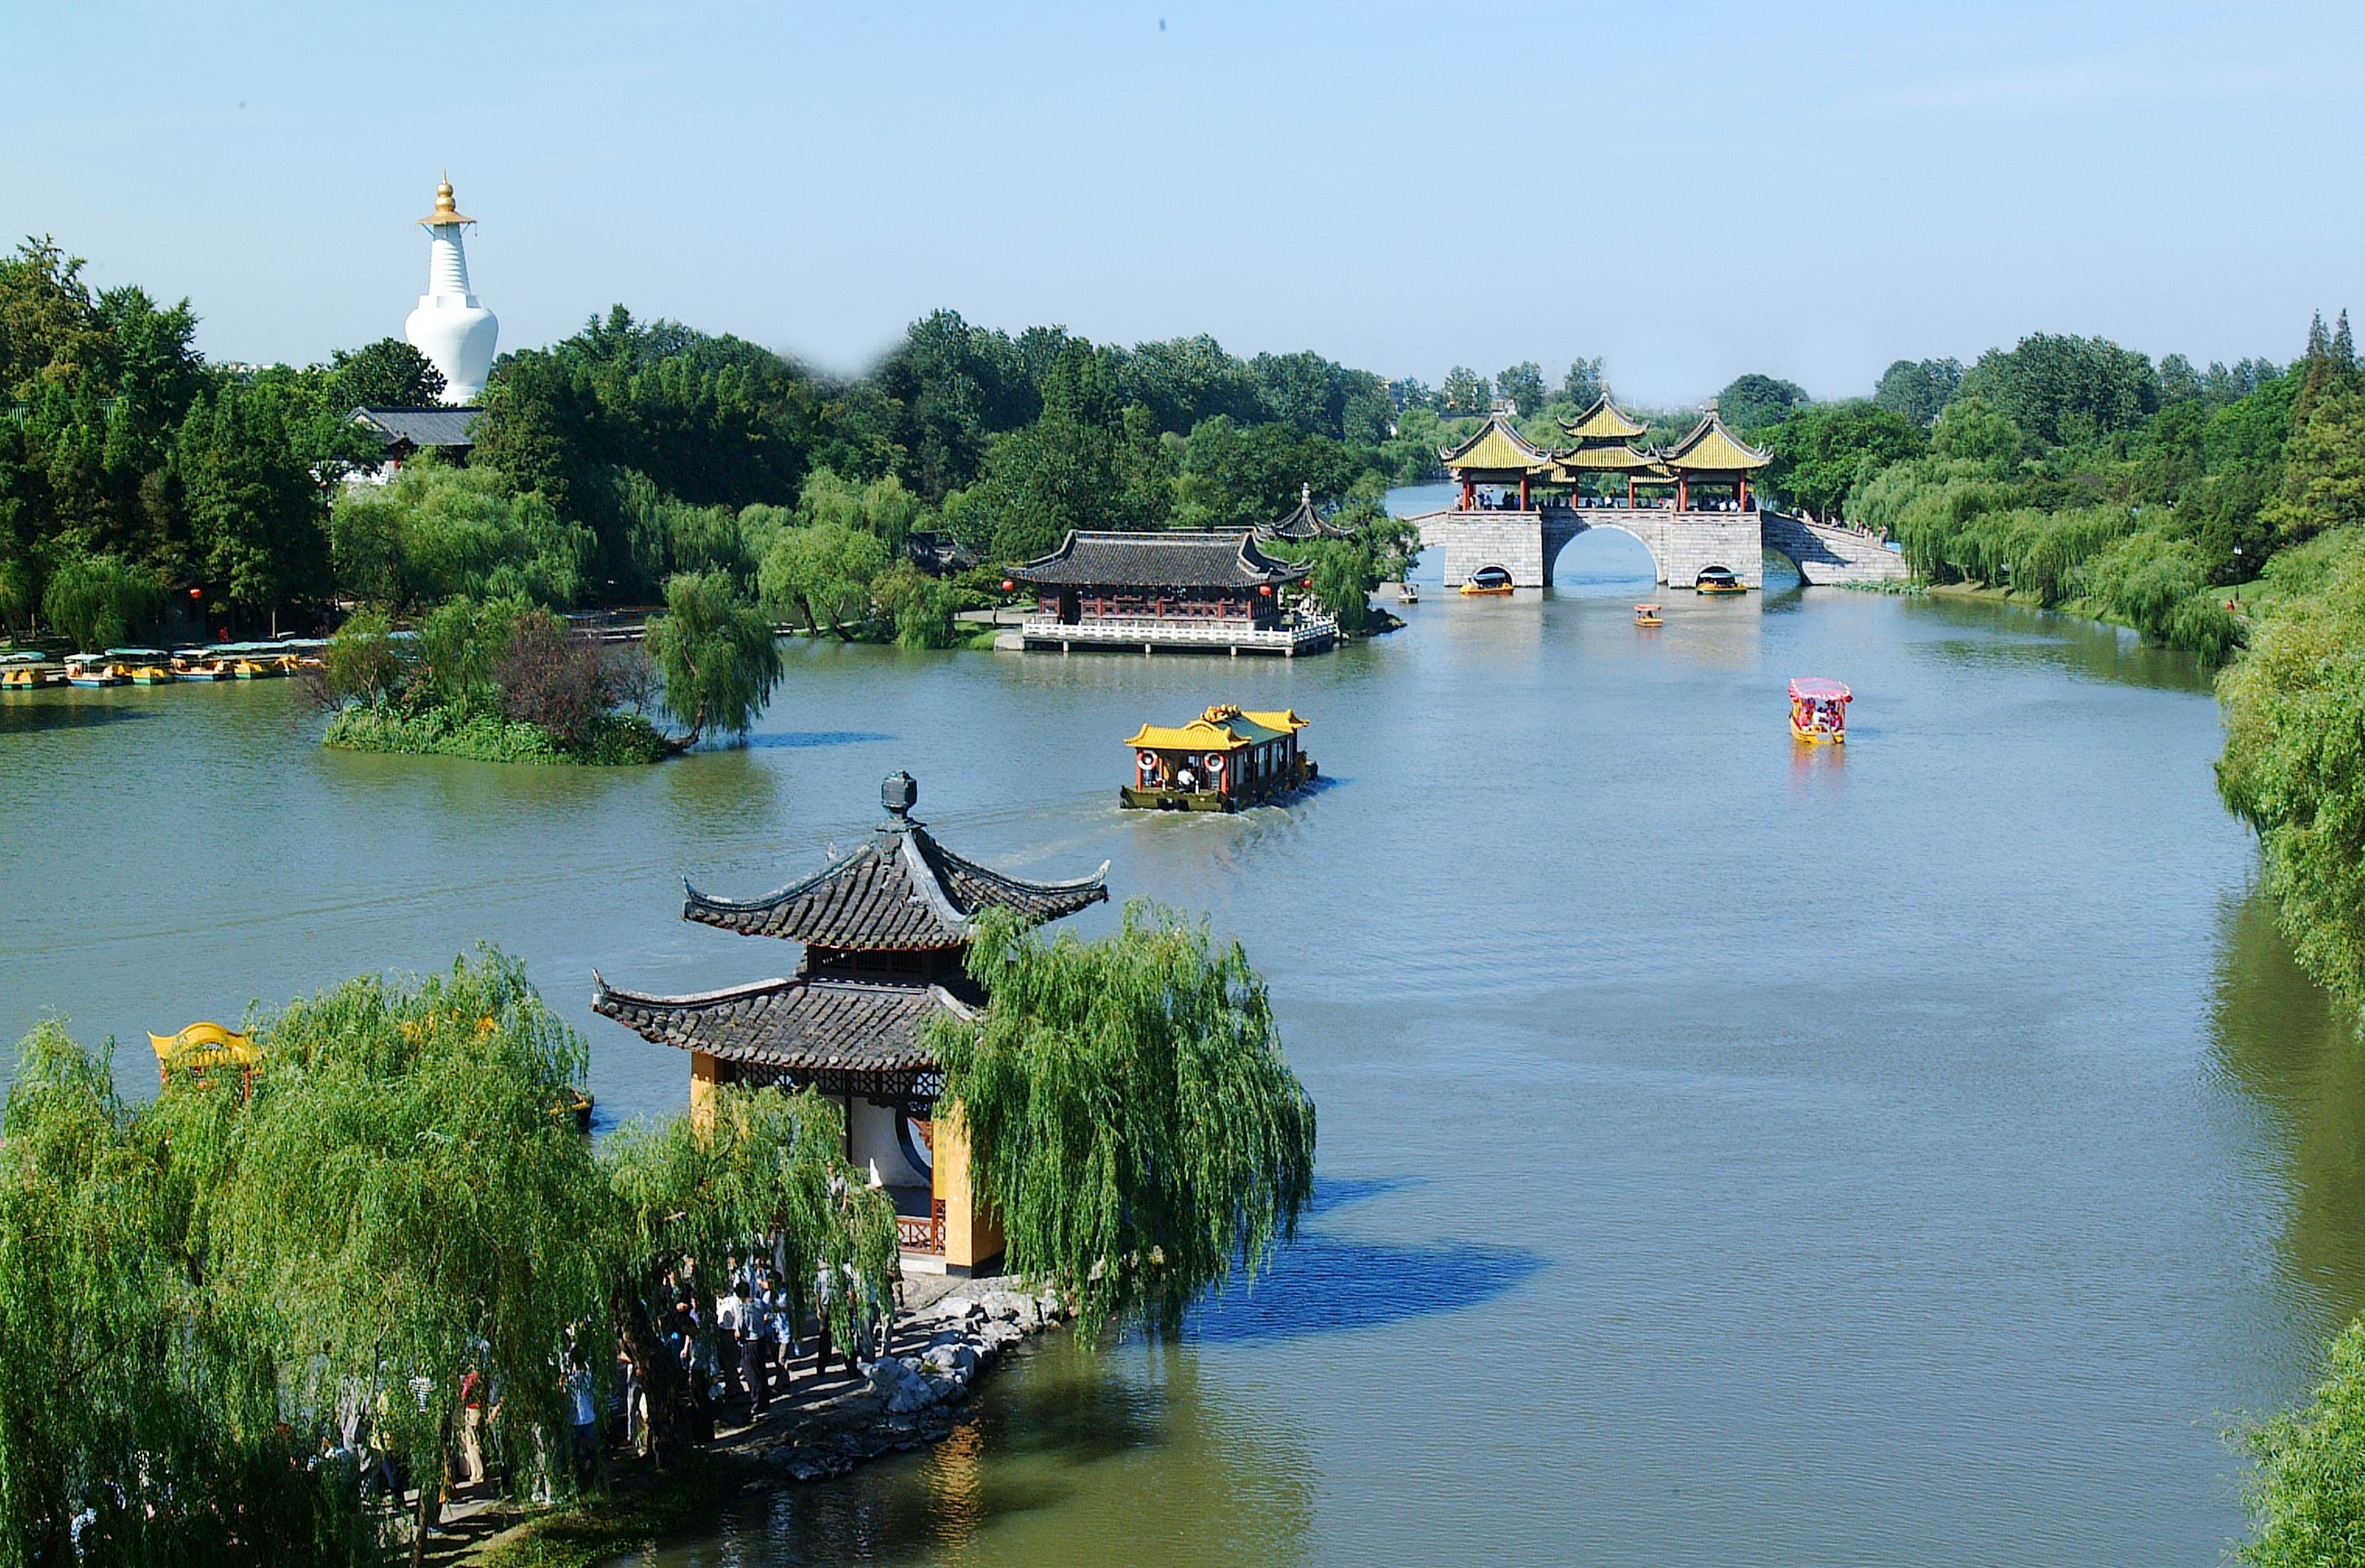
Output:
x=444 y=211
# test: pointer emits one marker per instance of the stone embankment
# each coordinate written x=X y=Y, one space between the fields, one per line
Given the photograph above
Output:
x=944 y=1344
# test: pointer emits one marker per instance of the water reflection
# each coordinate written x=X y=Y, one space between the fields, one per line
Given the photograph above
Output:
x=1042 y=1472
x=2296 y=1051
x=22 y=713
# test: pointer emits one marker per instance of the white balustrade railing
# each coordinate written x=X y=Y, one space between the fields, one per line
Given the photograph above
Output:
x=1302 y=628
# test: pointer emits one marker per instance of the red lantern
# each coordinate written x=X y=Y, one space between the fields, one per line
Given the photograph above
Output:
x=1008 y=587
x=1266 y=591
x=196 y=593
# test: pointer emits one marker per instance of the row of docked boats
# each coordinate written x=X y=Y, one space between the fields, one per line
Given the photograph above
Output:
x=161 y=667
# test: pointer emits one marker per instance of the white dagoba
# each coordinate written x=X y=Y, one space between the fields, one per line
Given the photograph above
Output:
x=450 y=328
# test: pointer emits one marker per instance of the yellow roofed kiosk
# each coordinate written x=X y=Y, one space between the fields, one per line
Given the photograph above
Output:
x=1712 y=458
x=1224 y=760
x=1496 y=454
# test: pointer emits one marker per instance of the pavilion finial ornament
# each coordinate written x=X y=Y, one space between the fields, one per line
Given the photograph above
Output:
x=901 y=792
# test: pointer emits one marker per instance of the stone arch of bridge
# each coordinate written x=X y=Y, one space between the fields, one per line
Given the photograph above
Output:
x=1557 y=538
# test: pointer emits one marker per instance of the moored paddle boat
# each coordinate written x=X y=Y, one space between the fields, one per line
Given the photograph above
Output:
x=1489 y=580
x=28 y=672
x=143 y=667
x=95 y=669
x=1719 y=580
x=1647 y=615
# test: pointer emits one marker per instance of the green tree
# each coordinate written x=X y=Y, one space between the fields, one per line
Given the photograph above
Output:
x=255 y=514
x=388 y=374
x=2293 y=764
x=1465 y=393
x=1345 y=573
x=1752 y=401
x=2307 y=1497
x=1131 y=1116
x=2065 y=389
x=716 y=653
x=1823 y=450
x=95 y=601
x=1523 y=384
x=2324 y=486
x=823 y=572
x=406 y=1193
x=1919 y=390
x=922 y=607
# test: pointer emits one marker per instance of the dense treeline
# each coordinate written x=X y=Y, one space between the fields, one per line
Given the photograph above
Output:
x=131 y=469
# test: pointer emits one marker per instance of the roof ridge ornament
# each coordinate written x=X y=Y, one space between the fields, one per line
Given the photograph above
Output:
x=900 y=792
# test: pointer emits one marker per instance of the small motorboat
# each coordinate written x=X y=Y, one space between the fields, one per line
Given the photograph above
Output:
x=1407 y=594
x=1489 y=580
x=1719 y=580
x=1819 y=711
x=1647 y=615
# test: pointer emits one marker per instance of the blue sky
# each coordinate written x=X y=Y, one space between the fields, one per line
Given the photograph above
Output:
x=1689 y=191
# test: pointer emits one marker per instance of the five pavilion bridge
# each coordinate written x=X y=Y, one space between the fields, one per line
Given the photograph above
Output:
x=1690 y=505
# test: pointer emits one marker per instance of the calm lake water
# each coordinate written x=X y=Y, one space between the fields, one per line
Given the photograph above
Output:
x=1731 y=1153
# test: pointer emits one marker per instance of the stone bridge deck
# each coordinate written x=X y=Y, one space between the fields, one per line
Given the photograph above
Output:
x=1682 y=544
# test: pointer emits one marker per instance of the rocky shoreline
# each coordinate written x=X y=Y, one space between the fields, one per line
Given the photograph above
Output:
x=950 y=1334
x=912 y=1396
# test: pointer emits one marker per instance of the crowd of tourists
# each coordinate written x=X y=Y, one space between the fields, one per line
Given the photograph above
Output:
x=738 y=1350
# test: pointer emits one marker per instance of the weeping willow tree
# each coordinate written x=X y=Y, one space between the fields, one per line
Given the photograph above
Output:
x=764 y=1167
x=406 y=1198
x=2307 y=1494
x=199 y=1296
x=1131 y=1118
x=140 y=1420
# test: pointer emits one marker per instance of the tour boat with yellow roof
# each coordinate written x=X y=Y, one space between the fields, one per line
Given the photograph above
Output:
x=1647 y=615
x=1226 y=759
x=1719 y=579
x=1819 y=711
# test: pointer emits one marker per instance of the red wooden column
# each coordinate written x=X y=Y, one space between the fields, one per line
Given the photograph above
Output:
x=1469 y=494
x=1683 y=493
x=1523 y=492
x=1744 y=492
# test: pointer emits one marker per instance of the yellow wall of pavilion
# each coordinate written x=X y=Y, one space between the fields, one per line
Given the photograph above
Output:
x=973 y=1237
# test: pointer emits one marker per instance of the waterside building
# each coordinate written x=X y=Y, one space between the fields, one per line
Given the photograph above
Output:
x=886 y=931
x=1207 y=591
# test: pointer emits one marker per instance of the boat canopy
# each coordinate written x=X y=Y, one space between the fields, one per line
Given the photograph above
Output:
x=1815 y=688
x=1220 y=728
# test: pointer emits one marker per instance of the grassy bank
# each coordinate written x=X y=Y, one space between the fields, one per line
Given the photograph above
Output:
x=614 y=740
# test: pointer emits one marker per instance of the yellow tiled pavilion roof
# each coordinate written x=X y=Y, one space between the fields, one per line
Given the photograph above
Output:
x=1621 y=458
x=1497 y=448
x=1713 y=448
x=1605 y=421
x=1221 y=728
x=1284 y=720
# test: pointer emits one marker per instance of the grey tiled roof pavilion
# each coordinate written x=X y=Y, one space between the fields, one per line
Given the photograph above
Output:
x=900 y=891
x=1229 y=559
